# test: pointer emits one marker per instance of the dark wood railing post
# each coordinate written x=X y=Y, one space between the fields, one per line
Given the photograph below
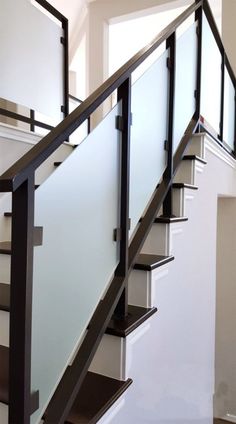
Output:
x=221 y=132
x=124 y=95
x=198 y=19
x=21 y=303
x=171 y=45
x=66 y=68
x=32 y=117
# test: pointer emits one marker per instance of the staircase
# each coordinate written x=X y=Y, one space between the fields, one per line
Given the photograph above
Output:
x=122 y=290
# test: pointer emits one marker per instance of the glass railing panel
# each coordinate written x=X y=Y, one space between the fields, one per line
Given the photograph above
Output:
x=78 y=208
x=148 y=134
x=31 y=59
x=211 y=78
x=229 y=111
x=185 y=82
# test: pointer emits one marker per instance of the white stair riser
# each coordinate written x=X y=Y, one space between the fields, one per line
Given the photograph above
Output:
x=160 y=238
x=114 y=354
x=5 y=264
x=4 y=329
x=3 y=413
x=109 y=359
x=142 y=286
x=5 y=223
x=196 y=146
x=179 y=200
x=186 y=172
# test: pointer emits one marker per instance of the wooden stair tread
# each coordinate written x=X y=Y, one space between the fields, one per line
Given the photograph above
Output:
x=195 y=157
x=96 y=396
x=148 y=262
x=5 y=247
x=184 y=185
x=170 y=220
x=4 y=297
x=220 y=421
x=4 y=361
x=136 y=316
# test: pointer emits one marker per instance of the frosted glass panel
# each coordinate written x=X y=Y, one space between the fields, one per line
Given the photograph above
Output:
x=229 y=111
x=78 y=208
x=211 y=78
x=148 y=134
x=185 y=82
x=31 y=59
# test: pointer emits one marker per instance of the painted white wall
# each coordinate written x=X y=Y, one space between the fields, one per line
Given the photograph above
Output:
x=79 y=69
x=173 y=363
x=225 y=362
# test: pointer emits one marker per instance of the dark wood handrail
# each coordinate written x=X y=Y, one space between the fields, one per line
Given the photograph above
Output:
x=19 y=172
x=51 y=9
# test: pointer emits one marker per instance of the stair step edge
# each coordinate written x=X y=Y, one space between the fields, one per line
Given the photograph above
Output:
x=5 y=247
x=195 y=157
x=147 y=262
x=137 y=315
x=170 y=220
x=4 y=297
x=185 y=185
x=96 y=396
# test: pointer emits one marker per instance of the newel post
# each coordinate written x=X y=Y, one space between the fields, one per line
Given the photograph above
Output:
x=21 y=403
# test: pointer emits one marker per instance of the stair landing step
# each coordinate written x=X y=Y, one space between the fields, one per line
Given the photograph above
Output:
x=136 y=316
x=5 y=247
x=4 y=361
x=96 y=396
x=184 y=185
x=4 y=298
x=195 y=157
x=170 y=219
x=148 y=262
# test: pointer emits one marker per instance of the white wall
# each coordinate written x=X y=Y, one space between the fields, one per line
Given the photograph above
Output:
x=225 y=365
x=172 y=364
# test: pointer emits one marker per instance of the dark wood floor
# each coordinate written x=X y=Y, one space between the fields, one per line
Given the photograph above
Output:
x=218 y=421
